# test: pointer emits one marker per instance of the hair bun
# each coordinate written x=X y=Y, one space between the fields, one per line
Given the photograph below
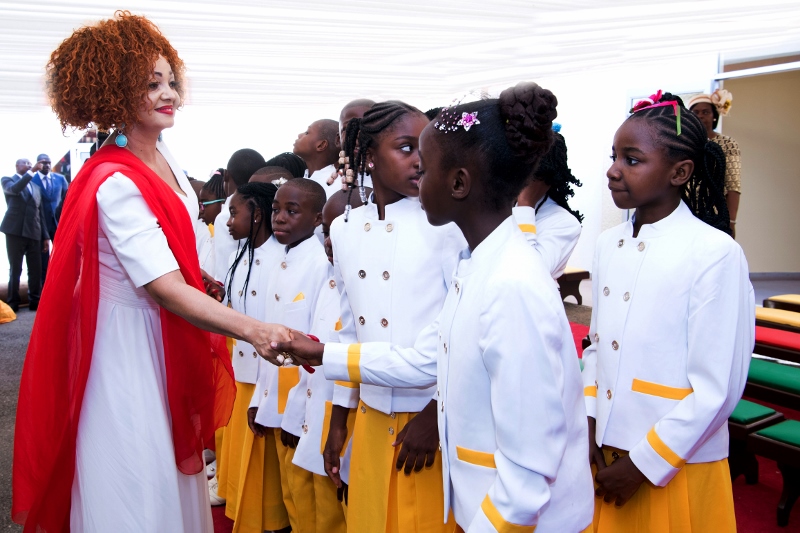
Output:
x=528 y=111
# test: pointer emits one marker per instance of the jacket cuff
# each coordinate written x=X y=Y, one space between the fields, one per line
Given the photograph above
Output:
x=590 y=399
x=488 y=518
x=655 y=459
x=341 y=362
x=526 y=218
x=346 y=394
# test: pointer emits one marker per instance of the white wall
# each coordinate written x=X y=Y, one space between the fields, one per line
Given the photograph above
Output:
x=766 y=124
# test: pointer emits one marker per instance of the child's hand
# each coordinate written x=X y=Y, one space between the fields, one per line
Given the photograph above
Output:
x=420 y=440
x=596 y=456
x=289 y=440
x=533 y=193
x=257 y=429
x=212 y=286
x=301 y=349
x=619 y=481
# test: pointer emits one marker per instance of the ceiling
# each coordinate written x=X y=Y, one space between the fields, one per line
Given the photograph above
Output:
x=283 y=53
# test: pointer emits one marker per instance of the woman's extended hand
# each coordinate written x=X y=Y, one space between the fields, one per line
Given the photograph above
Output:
x=264 y=335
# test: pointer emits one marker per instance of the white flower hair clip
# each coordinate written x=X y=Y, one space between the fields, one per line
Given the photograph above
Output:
x=449 y=123
x=468 y=120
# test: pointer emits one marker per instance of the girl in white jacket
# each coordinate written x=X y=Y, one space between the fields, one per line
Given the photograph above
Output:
x=672 y=331
x=508 y=388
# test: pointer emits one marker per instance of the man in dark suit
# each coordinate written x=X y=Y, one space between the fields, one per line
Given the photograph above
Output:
x=53 y=188
x=26 y=232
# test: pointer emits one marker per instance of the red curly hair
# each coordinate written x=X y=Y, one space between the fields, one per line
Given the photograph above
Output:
x=99 y=74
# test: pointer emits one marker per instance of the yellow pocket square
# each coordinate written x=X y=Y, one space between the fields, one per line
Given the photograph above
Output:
x=338 y=326
x=299 y=297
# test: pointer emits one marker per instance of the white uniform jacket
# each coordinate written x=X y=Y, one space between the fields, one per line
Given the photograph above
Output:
x=317 y=391
x=393 y=276
x=224 y=244
x=512 y=422
x=321 y=176
x=246 y=362
x=204 y=240
x=553 y=232
x=295 y=285
x=672 y=332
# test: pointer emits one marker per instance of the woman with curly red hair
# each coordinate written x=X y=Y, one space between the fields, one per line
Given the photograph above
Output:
x=123 y=385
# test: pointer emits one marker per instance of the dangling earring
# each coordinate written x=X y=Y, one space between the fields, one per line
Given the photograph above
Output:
x=160 y=138
x=121 y=140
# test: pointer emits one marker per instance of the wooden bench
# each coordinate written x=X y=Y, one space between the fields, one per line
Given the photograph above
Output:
x=787 y=302
x=781 y=443
x=778 y=319
x=774 y=383
x=777 y=343
x=570 y=282
x=747 y=418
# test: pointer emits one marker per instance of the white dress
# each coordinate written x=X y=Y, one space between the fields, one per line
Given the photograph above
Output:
x=126 y=479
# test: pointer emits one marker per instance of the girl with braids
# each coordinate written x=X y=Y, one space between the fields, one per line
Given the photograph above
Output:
x=210 y=199
x=672 y=331
x=542 y=211
x=392 y=269
x=509 y=393
x=249 y=467
x=212 y=196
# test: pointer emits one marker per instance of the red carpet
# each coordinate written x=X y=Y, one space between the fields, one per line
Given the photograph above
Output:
x=222 y=524
x=757 y=505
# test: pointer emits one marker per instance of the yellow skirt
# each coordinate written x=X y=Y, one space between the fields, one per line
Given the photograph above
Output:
x=229 y=454
x=329 y=511
x=298 y=490
x=698 y=499
x=381 y=499
x=260 y=501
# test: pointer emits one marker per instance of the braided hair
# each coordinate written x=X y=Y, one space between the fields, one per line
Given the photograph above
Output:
x=255 y=195
x=216 y=184
x=366 y=132
x=703 y=193
x=514 y=133
x=554 y=171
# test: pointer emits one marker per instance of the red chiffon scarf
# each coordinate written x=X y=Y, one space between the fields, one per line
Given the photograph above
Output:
x=200 y=384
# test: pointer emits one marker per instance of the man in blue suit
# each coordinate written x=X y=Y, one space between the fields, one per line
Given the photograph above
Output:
x=53 y=188
x=26 y=232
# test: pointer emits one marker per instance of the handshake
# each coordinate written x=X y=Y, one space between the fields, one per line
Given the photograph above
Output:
x=284 y=346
